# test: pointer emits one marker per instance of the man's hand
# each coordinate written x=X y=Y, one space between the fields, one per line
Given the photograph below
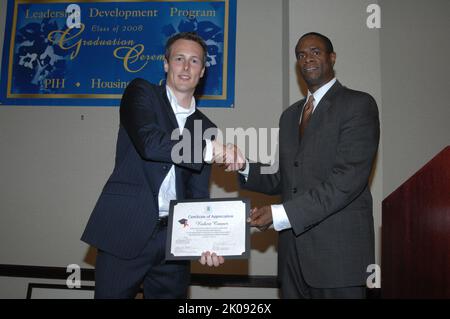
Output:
x=219 y=152
x=234 y=160
x=261 y=217
x=211 y=259
x=229 y=156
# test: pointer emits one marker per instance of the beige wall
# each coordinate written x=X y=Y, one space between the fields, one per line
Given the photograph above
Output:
x=415 y=76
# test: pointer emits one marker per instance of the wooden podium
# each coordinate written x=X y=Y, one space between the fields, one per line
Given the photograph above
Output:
x=416 y=234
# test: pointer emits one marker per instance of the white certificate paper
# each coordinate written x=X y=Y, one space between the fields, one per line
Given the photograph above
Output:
x=216 y=225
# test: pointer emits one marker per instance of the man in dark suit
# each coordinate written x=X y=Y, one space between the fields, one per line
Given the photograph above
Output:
x=327 y=145
x=128 y=224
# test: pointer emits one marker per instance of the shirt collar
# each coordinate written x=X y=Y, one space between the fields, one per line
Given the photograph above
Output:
x=177 y=108
x=319 y=94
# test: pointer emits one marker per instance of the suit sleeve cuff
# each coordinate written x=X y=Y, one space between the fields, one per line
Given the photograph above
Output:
x=208 y=154
x=280 y=218
x=246 y=171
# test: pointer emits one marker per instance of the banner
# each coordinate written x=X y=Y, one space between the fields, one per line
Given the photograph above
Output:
x=84 y=53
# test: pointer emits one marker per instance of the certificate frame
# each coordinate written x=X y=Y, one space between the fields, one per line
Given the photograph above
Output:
x=171 y=224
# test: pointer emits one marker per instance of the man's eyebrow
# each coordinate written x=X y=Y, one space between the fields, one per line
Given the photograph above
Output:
x=306 y=49
x=184 y=54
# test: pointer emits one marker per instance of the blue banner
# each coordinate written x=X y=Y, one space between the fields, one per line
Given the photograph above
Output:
x=84 y=53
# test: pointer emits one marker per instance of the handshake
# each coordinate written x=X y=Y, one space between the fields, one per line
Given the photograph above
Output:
x=229 y=156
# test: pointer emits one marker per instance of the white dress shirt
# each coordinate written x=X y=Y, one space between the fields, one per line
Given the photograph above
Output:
x=167 y=191
x=279 y=216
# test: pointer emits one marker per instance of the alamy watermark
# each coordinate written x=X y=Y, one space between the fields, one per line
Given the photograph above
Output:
x=374 y=19
x=74 y=279
x=374 y=279
x=255 y=143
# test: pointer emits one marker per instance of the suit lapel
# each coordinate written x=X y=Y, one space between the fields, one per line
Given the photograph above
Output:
x=316 y=117
x=324 y=105
x=180 y=182
x=297 y=118
x=168 y=108
x=189 y=125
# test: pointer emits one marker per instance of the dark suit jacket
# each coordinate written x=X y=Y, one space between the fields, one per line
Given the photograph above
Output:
x=324 y=182
x=126 y=213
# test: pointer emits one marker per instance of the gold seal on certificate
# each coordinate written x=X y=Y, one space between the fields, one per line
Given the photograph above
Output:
x=215 y=225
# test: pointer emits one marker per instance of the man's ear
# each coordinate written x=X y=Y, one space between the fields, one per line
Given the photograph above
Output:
x=333 y=58
x=203 y=72
x=166 y=65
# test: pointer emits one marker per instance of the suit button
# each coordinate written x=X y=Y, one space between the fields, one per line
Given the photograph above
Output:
x=296 y=163
x=165 y=167
x=294 y=190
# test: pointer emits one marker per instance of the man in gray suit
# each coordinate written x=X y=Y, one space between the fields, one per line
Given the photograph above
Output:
x=327 y=145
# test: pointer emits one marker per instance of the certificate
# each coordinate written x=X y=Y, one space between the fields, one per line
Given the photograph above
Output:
x=215 y=225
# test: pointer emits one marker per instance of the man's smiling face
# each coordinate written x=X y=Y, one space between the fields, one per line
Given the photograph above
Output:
x=185 y=66
x=314 y=62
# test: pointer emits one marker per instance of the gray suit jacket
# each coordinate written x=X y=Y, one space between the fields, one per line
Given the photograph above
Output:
x=324 y=182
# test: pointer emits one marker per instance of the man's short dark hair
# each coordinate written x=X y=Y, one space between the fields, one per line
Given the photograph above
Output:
x=192 y=36
x=326 y=41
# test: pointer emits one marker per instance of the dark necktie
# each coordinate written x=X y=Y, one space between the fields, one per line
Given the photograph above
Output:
x=307 y=111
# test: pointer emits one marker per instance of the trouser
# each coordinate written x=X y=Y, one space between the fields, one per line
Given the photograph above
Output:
x=122 y=278
x=294 y=286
